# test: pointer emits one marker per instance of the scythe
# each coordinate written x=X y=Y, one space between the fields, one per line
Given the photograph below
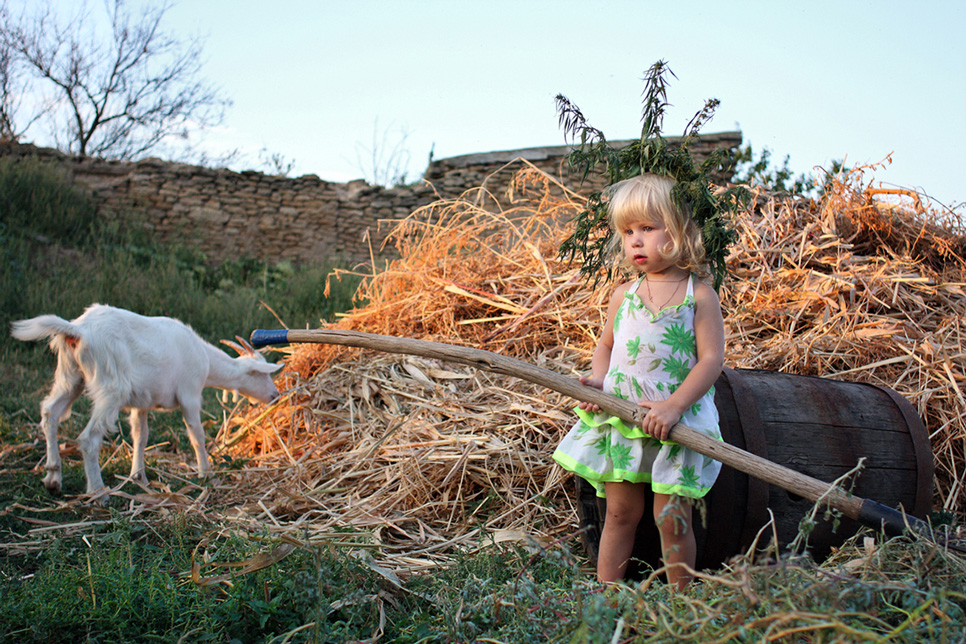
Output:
x=865 y=511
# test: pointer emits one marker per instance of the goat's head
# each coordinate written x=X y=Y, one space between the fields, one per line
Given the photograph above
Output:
x=255 y=381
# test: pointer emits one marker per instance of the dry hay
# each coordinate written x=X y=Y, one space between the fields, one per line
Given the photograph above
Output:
x=861 y=290
x=421 y=455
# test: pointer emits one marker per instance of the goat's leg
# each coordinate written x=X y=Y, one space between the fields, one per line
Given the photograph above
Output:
x=139 y=442
x=196 y=434
x=103 y=420
x=54 y=409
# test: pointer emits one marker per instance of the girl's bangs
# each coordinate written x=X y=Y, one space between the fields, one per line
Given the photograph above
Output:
x=630 y=212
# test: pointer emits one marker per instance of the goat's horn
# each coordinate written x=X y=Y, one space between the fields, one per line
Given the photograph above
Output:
x=234 y=345
x=249 y=348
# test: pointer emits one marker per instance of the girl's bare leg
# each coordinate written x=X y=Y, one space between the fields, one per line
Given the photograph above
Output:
x=625 y=508
x=672 y=514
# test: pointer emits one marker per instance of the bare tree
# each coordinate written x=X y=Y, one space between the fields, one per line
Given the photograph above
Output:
x=386 y=161
x=275 y=163
x=119 y=95
x=9 y=98
x=13 y=87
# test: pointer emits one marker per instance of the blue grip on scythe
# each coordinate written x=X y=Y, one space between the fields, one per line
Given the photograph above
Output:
x=261 y=337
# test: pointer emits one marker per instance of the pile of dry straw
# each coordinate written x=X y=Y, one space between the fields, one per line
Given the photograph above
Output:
x=421 y=455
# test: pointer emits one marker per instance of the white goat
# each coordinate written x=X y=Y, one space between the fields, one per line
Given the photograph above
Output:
x=128 y=361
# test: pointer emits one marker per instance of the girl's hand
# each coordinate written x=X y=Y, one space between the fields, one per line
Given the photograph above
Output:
x=663 y=415
x=596 y=383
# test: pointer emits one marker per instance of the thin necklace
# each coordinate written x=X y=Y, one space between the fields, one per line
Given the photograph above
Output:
x=647 y=284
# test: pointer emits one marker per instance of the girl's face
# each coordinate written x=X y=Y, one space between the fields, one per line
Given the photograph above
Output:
x=642 y=243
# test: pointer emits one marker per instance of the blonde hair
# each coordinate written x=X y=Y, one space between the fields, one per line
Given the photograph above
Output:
x=647 y=197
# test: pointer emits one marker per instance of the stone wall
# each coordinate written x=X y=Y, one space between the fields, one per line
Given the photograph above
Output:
x=455 y=174
x=230 y=214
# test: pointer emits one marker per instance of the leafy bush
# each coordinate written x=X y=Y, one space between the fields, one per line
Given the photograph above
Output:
x=760 y=171
x=38 y=198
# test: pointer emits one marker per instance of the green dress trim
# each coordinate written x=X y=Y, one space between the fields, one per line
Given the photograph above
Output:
x=628 y=431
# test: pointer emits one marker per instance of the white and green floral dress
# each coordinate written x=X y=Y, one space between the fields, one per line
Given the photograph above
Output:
x=651 y=357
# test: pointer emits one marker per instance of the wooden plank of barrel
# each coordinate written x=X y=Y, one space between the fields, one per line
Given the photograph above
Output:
x=818 y=427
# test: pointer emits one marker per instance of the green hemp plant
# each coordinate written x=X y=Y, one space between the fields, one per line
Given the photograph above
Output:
x=652 y=154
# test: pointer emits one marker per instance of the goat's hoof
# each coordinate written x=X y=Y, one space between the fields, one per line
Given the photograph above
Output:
x=54 y=487
x=100 y=497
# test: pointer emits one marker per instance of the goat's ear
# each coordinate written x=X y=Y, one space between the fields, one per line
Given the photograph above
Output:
x=265 y=367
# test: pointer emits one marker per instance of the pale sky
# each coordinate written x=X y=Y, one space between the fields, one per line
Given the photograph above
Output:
x=818 y=81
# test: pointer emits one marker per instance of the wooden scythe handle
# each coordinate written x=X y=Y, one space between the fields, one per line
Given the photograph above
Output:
x=869 y=513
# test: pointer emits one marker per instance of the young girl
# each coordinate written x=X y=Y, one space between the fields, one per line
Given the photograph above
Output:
x=663 y=347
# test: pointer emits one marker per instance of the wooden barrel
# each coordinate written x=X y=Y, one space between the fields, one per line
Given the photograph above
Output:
x=816 y=426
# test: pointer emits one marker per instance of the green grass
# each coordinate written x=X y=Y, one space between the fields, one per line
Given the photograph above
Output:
x=130 y=582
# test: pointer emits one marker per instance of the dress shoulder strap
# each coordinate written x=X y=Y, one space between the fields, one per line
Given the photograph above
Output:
x=635 y=285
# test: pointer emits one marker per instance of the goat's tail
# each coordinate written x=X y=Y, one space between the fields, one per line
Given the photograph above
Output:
x=43 y=326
